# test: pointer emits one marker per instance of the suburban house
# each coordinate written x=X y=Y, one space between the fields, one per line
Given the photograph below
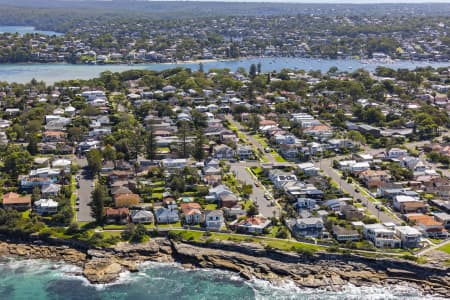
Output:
x=212 y=170
x=142 y=217
x=351 y=212
x=359 y=167
x=374 y=178
x=223 y=195
x=223 y=152
x=308 y=169
x=244 y=152
x=16 y=201
x=280 y=178
x=395 y=153
x=409 y=236
x=116 y=215
x=400 y=200
x=174 y=163
x=407 y=207
x=166 y=215
x=126 y=200
x=428 y=225
x=39 y=177
x=191 y=213
x=46 y=206
x=50 y=189
x=234 y=212
x=298 y=189
x=381 y=236
x=343 y=234
x=213 y=219
x=345 y=165
x=336 y=204
x=305 y=203
x=54 y=136
x=289 y=152
x=253 y=224
x=305 y=227
x=444 y=218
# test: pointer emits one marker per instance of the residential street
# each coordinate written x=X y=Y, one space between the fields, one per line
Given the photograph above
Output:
x=326 y=166
x=84 y=192
x=251 y=139
x=257 y=195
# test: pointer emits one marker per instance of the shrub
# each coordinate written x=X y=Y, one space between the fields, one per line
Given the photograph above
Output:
x=73 y=229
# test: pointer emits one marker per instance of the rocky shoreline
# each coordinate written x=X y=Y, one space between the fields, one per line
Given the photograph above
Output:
x=321 y=270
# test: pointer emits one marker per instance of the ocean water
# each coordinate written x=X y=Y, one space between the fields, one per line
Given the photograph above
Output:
x=26 y=29
x=46 y=280
x=50 y=73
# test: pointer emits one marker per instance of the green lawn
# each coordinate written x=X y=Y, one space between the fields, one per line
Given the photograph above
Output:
x=256 y=170
x=109 y=234
x=163 y=150
x=261 y=140
x=445 y=248
x=177 y=224
x=211 y=206
x=157 y=195
x=285 y=245
x=274 y=231
x=278 y=157
x=114 y=226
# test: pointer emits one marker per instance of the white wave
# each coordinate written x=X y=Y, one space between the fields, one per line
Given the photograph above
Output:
x=34 y=266
x=287 y=289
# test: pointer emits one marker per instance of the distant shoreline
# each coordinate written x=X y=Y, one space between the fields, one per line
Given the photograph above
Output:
x=198 y=61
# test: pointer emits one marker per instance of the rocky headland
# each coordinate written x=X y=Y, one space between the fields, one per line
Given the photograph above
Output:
x=321 y=270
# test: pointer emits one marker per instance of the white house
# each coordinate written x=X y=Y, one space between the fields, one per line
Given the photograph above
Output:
x=409 y=236
x=46 y=206
x=166 y=215
x=305 y=203
x=174 y=163
x=62 y=164
x=381 y=236
x=308 y=169
x=244 y=152
x=396 y=153
x=213 y=219
x=306 y=227
x=360 y=167
x=345 y=165
x=399 y=199
x=142 y=216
